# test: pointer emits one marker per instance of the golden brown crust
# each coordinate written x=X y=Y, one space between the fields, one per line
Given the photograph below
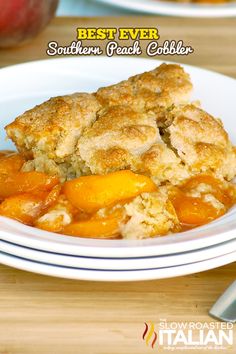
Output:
x=117 y=139
x=55 y=125
x=163 y=86
x=201 y=141
x=142 y=124
x=163 y=164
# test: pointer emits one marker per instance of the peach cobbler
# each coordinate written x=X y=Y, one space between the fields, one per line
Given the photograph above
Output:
x=133 y=160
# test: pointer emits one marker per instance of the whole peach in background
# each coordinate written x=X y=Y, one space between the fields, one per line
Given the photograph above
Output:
x=21 y=20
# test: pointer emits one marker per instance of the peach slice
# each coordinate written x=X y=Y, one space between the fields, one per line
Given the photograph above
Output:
x=24 y=182
x=22 y=207
x=96 y=227
x=91 y=193
x=52 y=196
x=193 y=211
x=11 y=163
x=27 y=207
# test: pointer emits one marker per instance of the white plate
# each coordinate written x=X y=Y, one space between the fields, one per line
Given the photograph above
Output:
x=25 y=85
x=175 y=8
x=119 y=263
x=112 y=275
x=212 y=234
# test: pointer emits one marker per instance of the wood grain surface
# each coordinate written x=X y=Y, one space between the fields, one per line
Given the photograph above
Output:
x=46 y=315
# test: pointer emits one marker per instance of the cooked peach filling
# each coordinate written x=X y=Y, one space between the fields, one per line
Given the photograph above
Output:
x=91 y=193
x=202 y=199
x=95 y=226
x=96 y=206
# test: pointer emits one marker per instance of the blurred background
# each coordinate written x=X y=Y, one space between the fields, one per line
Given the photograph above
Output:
x=23 y=20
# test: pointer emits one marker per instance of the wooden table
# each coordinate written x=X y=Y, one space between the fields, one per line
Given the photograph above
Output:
x=45 y=315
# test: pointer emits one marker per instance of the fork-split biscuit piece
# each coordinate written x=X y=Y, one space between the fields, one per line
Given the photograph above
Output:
x=201 y=142
x=117 y=139
x=47 y=135
x=54 y=127
x=149 y=215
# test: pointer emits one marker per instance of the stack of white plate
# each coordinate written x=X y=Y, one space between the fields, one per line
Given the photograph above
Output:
x=39 y=251
x=118 y=260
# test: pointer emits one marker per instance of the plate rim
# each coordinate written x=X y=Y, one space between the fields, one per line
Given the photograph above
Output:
x=103 y=58
x=181 y=10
